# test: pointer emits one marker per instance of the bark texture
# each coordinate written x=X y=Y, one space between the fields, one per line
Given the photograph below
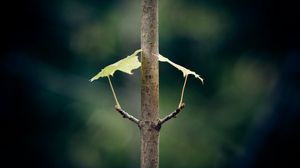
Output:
x=150 y=85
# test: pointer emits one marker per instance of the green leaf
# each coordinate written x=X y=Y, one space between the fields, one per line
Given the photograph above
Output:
x=184 y=70
x=125 y=65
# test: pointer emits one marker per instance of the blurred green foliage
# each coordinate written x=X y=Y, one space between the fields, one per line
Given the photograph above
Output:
x=77 y=124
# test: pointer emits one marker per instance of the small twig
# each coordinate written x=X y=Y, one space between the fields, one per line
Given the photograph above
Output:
x=113 y=92
x=118 y=106
x=171 y=115
x=126 y=115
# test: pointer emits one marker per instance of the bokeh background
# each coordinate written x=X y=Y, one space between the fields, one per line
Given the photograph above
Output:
x=245 y=115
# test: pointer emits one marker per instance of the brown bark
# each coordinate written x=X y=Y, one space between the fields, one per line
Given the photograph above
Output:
x=150 y=85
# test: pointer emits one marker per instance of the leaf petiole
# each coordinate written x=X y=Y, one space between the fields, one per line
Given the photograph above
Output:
x=182 y=92
x=113 y=92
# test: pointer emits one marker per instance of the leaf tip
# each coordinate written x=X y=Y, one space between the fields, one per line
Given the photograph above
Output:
x=92 y=79
x=201 y=79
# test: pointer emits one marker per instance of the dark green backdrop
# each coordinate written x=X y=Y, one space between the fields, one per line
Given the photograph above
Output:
x=245 y=115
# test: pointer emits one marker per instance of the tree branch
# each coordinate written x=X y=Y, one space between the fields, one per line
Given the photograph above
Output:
x=126 y=115
x=171 y=115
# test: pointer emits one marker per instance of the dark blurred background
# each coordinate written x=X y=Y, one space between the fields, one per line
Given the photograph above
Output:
x=247 y=113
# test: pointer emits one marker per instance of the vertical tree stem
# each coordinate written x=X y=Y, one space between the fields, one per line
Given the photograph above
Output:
x=182 y=91
x=113 y=92
x=149 y=85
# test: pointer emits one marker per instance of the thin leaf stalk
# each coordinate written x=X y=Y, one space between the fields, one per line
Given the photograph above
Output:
x=182 y=91
x=113 y=92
